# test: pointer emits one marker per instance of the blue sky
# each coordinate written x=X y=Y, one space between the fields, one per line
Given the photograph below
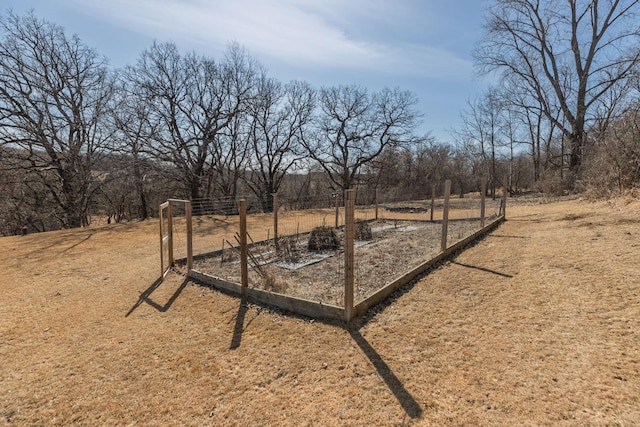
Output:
x=419 y=45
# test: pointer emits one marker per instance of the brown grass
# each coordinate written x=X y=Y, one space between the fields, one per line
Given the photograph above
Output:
x=537 y=324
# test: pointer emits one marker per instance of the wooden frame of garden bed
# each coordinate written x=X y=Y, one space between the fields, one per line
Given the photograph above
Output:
x=325 y=311
x=331 y=312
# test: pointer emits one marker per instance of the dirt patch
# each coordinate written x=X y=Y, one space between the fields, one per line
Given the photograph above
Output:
x=538 y=324
x=392 y=248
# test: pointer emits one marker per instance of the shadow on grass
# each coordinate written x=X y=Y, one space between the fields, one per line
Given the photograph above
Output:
x=408 y=403
x=55 y=243
x=240 y=326
x=146 y=297
x=486 y=270
x=236 y=339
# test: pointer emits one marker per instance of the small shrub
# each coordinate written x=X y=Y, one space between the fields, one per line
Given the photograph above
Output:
x=288 y=249
x=363 y=230
x=230 y=255
x=272 y=284
x=323 y=238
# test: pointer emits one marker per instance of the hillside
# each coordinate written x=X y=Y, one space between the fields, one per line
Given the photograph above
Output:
x=539 y=323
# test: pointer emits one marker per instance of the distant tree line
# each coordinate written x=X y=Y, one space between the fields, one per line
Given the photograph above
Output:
x=79 y=140
x=568 y=93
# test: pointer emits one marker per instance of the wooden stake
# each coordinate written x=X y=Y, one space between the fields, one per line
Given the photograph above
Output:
x=187 y=209
x=244 y=272
x=337 y=197
x=163 y=240
x=504 y=202
x=275 y=219
x=256 y=265
x=483 y=199
x=170 y=234
x=349 y=238
x=445 y=215
x=433 y=200
x=377 y=199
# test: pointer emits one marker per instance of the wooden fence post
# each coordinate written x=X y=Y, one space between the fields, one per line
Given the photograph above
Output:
x=161 y=243
x=349 y=238
x=275 y=219
x=483 y=199
x=433 y=200
x=377 y=201
x=244 y=271
x=164 y=239
x=170 y=234
x=187 y=213
x=337 y=197
x=445 y=215
x=504 y=202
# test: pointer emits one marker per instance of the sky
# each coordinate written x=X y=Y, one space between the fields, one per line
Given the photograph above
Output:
x=424 y=46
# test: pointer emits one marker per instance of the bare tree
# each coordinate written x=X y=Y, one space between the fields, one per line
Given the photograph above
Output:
x=569 y=54
x=480 y=133
x=54 y=95
x=192 y=102
x=132 y=120
x=25 y=203
x=280 y=115
x=615 y=163
x=229 y=157
x=354 y=127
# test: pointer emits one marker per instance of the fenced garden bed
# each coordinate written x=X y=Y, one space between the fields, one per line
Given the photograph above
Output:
x=332 y=262
x=393 y=247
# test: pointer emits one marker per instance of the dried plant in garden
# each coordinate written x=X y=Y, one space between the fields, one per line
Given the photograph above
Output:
x=230 y=254
x=288 y=249
x=323 y=238
x=363 y=230
x=272 y=284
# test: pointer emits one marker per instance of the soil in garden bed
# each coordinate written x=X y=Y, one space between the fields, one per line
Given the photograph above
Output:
x=394 y=248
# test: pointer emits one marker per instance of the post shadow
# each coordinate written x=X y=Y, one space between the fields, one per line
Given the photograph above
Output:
x=236 y=339
x=145 y=297
x=486 y=270
x=78 y=243
x=408 y=403
x=240 y=326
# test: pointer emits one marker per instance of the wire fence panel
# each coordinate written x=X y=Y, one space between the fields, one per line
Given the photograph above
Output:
x=405 y=234
x=298 y=248
x=294 y=250
x=300 y=253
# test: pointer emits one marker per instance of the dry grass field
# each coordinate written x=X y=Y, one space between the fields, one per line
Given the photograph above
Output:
x=537 y=324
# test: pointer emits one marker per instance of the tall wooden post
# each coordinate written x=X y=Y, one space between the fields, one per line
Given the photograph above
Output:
x=445 y=215
x=244 y=271
x=433 y=200
x=164 y=238
x=483 y=199
x=377 y=201
x=337 y=197
x=275 y=219
x=349 y=256
x=160 y=212
x=504 y=202
x=187 y=213
x=170 y=234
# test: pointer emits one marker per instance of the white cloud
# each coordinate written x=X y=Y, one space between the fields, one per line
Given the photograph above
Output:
x=305 y=34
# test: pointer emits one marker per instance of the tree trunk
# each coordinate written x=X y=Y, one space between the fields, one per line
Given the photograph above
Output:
x=144 y=210
x=575 y=158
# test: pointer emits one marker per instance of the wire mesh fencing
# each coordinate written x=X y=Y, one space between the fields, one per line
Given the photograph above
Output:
x=300 y=247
